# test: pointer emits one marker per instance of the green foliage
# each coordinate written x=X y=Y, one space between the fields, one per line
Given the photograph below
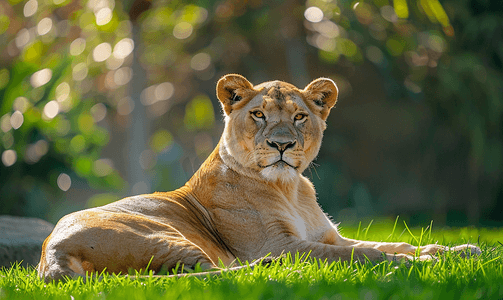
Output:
x=161 y=140
x=199 y=114
x=442 y=58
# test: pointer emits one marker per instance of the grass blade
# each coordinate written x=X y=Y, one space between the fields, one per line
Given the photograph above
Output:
x=393 y=231
x=407 y=227
x=367 y=230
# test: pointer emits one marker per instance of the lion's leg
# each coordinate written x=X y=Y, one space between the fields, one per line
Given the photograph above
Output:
x=117 y=248
x=405 y=248
x=182 y=252
x=332 y=252
x=165 y=255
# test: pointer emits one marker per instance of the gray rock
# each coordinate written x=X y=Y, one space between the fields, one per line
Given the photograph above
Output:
x=21 y=240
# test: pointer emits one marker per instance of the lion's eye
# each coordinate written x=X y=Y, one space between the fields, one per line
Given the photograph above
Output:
x=258 y=114
x=300 y=117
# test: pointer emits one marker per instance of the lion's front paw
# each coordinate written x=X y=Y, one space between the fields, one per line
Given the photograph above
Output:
x=466 y=250
x=408 y=258
x=433 y=249
x=398 y=257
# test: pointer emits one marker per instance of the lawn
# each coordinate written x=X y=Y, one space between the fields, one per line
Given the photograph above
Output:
x=449 y=277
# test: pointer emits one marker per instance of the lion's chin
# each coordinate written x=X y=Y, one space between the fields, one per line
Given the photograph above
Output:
x=279 y=171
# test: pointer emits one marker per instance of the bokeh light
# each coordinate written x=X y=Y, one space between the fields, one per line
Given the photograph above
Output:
x=164 y=91
x=123 y=75
x=80 y=71
x=156 y=93
x=327 y=28
x=199 y=113
x=182 y=30
x=364 y=12
x=30 y=8
x=388 y=13
x=8 y=140
x=77 y=145
x=21 y=104
x=161 y=140
x=9 y=157
x=103 y=167
x=125 y=106
x=200 y=61
x=313 y=14
x=4 y=78
x=375 y=55
x=23 y=37
x=35 y=151
x=41 y=77
x=102 y=52
x=77 y=46
x=109 y=80
x=99 y=112
x=5 y=124
x=147 y=159
x=62 y=91
x=103 y=16
x=113 y=63
x=4 y=23
x=51 y=109
x=324 y=43
x=64 y=182
x=16 y=120
x=44 y=26
x=401 y=8
x=123 y=48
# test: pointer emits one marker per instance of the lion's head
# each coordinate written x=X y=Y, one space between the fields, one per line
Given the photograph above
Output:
x=274 y=129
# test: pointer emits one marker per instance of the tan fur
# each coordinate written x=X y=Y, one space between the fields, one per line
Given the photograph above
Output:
x=247 y=200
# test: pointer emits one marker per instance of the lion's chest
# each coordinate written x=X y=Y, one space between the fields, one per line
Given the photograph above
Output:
x=242 y=230
x=307 y=223
x=299 y=225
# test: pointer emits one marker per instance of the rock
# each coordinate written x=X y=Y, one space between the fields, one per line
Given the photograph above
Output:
x=21 y=240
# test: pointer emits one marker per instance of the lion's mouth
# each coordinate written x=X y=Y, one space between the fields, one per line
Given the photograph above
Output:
x=280 y=163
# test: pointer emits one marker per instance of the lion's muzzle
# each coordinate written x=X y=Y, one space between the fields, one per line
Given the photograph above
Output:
x=281 y=146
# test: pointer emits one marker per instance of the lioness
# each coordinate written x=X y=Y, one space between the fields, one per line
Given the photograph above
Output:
x=247 y=200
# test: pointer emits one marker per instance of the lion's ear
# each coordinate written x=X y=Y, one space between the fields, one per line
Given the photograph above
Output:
x=230 y=91
x=321 y=95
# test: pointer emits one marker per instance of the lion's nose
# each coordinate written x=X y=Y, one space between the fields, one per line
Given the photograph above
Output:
x=281 y=146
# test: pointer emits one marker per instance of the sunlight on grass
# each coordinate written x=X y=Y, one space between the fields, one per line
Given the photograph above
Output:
x=380 y=231
x=301 y=277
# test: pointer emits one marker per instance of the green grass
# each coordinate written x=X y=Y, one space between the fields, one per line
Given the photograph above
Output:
x=450 y=277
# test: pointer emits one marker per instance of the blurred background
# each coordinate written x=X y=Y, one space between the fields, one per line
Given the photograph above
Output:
x=103 y=99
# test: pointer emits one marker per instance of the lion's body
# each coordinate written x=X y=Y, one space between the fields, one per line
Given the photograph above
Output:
x=247 y=200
